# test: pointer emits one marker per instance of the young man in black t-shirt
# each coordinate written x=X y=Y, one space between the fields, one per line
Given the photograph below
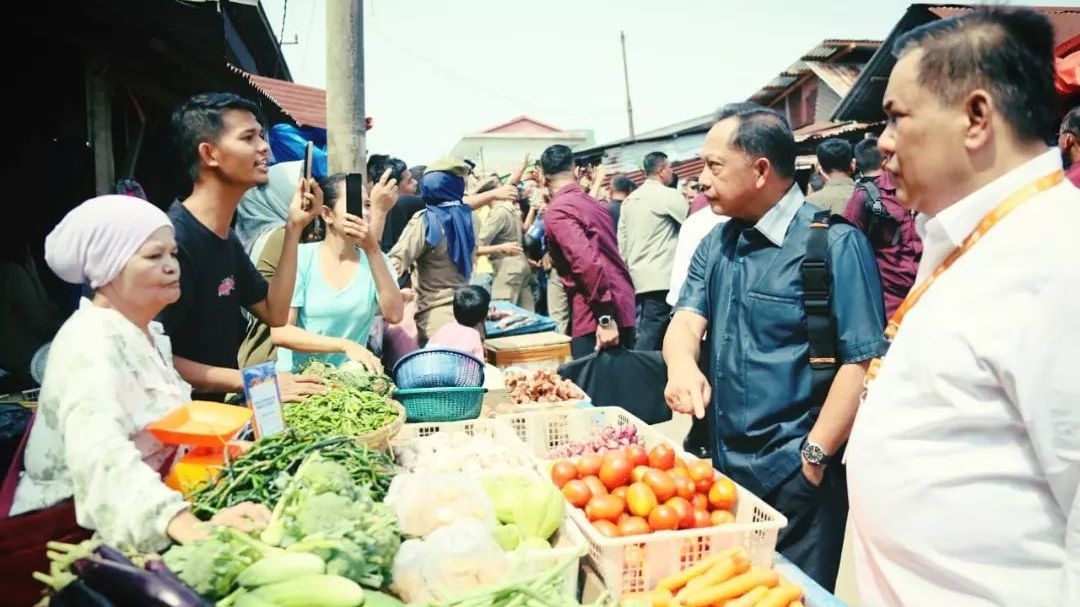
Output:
x=221 y=142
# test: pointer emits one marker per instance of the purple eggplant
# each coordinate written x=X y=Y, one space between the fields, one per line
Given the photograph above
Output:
x=79 y=594
x=160 y=569
x=133 y=587
x=112 y=554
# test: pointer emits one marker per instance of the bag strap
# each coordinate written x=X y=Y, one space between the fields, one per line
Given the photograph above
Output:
x=875 y=208
x=11 y=478
x=817 y=302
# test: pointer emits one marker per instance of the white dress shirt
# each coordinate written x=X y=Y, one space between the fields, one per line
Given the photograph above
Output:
x=696 y=227
x=964 y=460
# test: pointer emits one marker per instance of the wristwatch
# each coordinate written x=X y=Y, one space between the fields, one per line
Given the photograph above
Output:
x=813 y=453
x=605 y=321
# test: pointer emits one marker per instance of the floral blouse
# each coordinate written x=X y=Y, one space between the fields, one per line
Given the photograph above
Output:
x=104 y=383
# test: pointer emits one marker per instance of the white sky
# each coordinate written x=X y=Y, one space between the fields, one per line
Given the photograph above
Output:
x=437 y=69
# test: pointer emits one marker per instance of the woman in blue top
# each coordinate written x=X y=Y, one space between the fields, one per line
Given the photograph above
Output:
x=340 y=284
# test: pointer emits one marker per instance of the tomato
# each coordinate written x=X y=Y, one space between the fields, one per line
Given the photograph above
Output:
x=619 y=492
x=606 y=528
x=722 y=517
x=684 y=511
x=622 y=518
x=701 y=470
x=722 y=495
x=638 y=455
x=595 y=486
x=700 y=501
x=577 y=493
x=616 y=471
x=680 y=464
x=634 y=525
x=640 y=499
x=662 y=457
x=589 y=465
x=684 y=487
x=677 y=472
x=638 y=473
x=664 y=518
x=604 y=507
x=702 y=519
x=703 y=485
x=563 y=472
x=661 y=484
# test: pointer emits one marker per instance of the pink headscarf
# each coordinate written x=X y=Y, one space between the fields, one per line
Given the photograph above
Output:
x=95 y=240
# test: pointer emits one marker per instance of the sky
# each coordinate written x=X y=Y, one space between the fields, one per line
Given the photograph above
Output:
x=436 y=70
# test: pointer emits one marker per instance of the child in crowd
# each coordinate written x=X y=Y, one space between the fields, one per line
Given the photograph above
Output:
x=471 y=304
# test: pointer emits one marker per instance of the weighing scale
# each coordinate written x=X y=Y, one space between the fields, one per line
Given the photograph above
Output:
x=206 y=427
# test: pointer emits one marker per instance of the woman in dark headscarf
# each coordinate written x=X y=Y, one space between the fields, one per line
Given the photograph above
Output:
x=440 y=241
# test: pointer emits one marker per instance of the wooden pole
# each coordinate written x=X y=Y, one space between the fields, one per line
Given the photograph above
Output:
x=345 y=86
x=626 y=80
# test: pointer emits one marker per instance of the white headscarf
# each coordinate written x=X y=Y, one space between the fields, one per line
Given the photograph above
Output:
x=95 y=240
x=266 y=207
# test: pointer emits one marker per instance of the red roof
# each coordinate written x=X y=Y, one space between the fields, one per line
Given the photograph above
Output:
x=304 y=104
x=522 y=124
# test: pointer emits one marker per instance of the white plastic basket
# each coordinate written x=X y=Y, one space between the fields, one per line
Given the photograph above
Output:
x=636 y=564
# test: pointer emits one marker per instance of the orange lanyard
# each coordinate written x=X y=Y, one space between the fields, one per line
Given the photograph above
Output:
x=1010 y=204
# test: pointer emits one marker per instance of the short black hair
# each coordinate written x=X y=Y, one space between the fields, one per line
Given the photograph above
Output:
x=867 y=155
x=199 y=120
x=622 y=184
x=1071 y=122
x=762 y=133
x=378 y=163
x=332 y=188
x=418 y=170
x=1008 y=52
x=834 y=155
x=471 y=305
x=556 y=159
x=652 y=163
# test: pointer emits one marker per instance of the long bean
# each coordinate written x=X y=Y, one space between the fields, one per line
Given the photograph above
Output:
x=343 y=411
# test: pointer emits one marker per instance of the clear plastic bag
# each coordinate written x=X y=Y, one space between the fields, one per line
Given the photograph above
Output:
x=426 y=501
x=452 y=561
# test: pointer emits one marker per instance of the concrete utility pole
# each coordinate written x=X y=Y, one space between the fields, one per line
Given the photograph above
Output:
x=345 y=86
x=626 y=79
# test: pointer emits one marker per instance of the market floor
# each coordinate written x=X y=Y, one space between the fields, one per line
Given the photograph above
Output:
x=845 y=583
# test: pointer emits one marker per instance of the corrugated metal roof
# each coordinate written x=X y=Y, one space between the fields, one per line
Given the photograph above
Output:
x=826 y=129
x=1065 y=19
x=304 y=104
x=839 y=76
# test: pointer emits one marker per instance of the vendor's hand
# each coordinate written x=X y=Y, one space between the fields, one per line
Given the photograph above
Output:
x=362 y=355
x=236 y=448
x=506 y=192
x=306 y=205
x=245 y=516
x=814 y=474
x=359 y=232
x=607 y=337
x=511 y=248
x=384 y=193
x=294 y=388
x=687 y=390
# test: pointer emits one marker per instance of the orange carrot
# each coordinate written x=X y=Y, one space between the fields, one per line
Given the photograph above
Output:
x=654 y=598
x=796 y=604
x=781 y=596
x=734 y=587
x=677 y=580
x=749 y=599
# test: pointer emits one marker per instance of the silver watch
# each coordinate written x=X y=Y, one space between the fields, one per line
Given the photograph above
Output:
x=813 y=453
x=605 y=321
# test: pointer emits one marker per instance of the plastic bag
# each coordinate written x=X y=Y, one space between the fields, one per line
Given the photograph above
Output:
x=452 y=561
x=426 y=501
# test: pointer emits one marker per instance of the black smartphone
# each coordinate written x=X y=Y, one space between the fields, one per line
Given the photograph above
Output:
x=354 y=194
x=306 y=170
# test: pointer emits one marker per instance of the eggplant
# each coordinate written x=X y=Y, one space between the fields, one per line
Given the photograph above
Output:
x=112 y=554
x=160 y=569
x=133 y=587
x=79 y=594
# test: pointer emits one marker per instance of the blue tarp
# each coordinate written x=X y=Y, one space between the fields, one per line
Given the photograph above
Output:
x=288 y=143
x=533 y=323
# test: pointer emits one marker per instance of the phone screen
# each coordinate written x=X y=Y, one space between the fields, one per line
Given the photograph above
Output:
x=354 y=194
x=307 y=160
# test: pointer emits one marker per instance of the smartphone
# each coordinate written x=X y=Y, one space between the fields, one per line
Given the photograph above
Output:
x=354 y=194
x=308 y=151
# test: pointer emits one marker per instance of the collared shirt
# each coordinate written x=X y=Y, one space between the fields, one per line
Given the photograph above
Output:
x=897 y=255
x=696 y=227
x=964 y=460
x=648 y=231
x=581 y=239
x=746 y=281
x=436 y=275
x=1073 y=174
x=834 y=195
x=503 y=226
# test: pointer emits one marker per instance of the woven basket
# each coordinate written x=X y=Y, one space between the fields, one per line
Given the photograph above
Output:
x=379 y=440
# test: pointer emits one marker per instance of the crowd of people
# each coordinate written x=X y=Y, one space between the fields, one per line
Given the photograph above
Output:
x=894 y=337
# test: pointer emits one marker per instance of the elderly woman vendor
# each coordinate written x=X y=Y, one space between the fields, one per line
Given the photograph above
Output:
x=109 y=375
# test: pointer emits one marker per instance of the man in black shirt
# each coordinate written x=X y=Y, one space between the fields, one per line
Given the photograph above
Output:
x=221 y=142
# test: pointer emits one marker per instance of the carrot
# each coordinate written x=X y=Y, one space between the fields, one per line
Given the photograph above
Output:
x=734 y=587
x=677 y=580
x=654 y=598
x=781 y=596
x=796 y=604
x=720 y=572
x=749 y=599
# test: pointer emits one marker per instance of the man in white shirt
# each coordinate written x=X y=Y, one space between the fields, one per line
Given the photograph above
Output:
x=696 y=227
x=964 y=460
x=648 y=230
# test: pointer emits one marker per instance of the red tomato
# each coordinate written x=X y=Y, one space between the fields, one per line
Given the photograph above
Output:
x=700 y=501
x=678 y=472
x=638 y=473
x=722 y=517
x=664 y=518
x=616 y=471
x=722 y=495
x=638 y=455
x=680 y=464
x=563 y=472
x=577 y=493
x=703 y=486
x=595 y=486
x=606 y=528
x=623 y=517
x=701 y=470
x=702 y=519
x=605 y=507
x=661 y=484
x=662 y=457
x=640 y=499
x=684 y=511
x=589 y=465
x=634 y=525
x=619 y=492
x=684 y=487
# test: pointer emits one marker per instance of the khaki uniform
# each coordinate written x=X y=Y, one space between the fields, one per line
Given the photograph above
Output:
x=512 y=272
x=257 y=346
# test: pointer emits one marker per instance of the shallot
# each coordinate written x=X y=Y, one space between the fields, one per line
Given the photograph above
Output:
x=608 y=438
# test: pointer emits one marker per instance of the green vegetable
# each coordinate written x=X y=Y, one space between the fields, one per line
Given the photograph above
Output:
x=351 y=373
x=504 y=492
x=280 y=568
x=212 y=565
x=507 y=536
x=546 y=589
x=260 y=474
x=344 y=410
x=313 y=591
x=381 y=599
x=539 y=510
x=534 y=543
x=249 y=599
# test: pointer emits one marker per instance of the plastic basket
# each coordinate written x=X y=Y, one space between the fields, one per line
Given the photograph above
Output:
x=498 y=430
x=636 y=564
x=438 y=368
x=441 y=404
